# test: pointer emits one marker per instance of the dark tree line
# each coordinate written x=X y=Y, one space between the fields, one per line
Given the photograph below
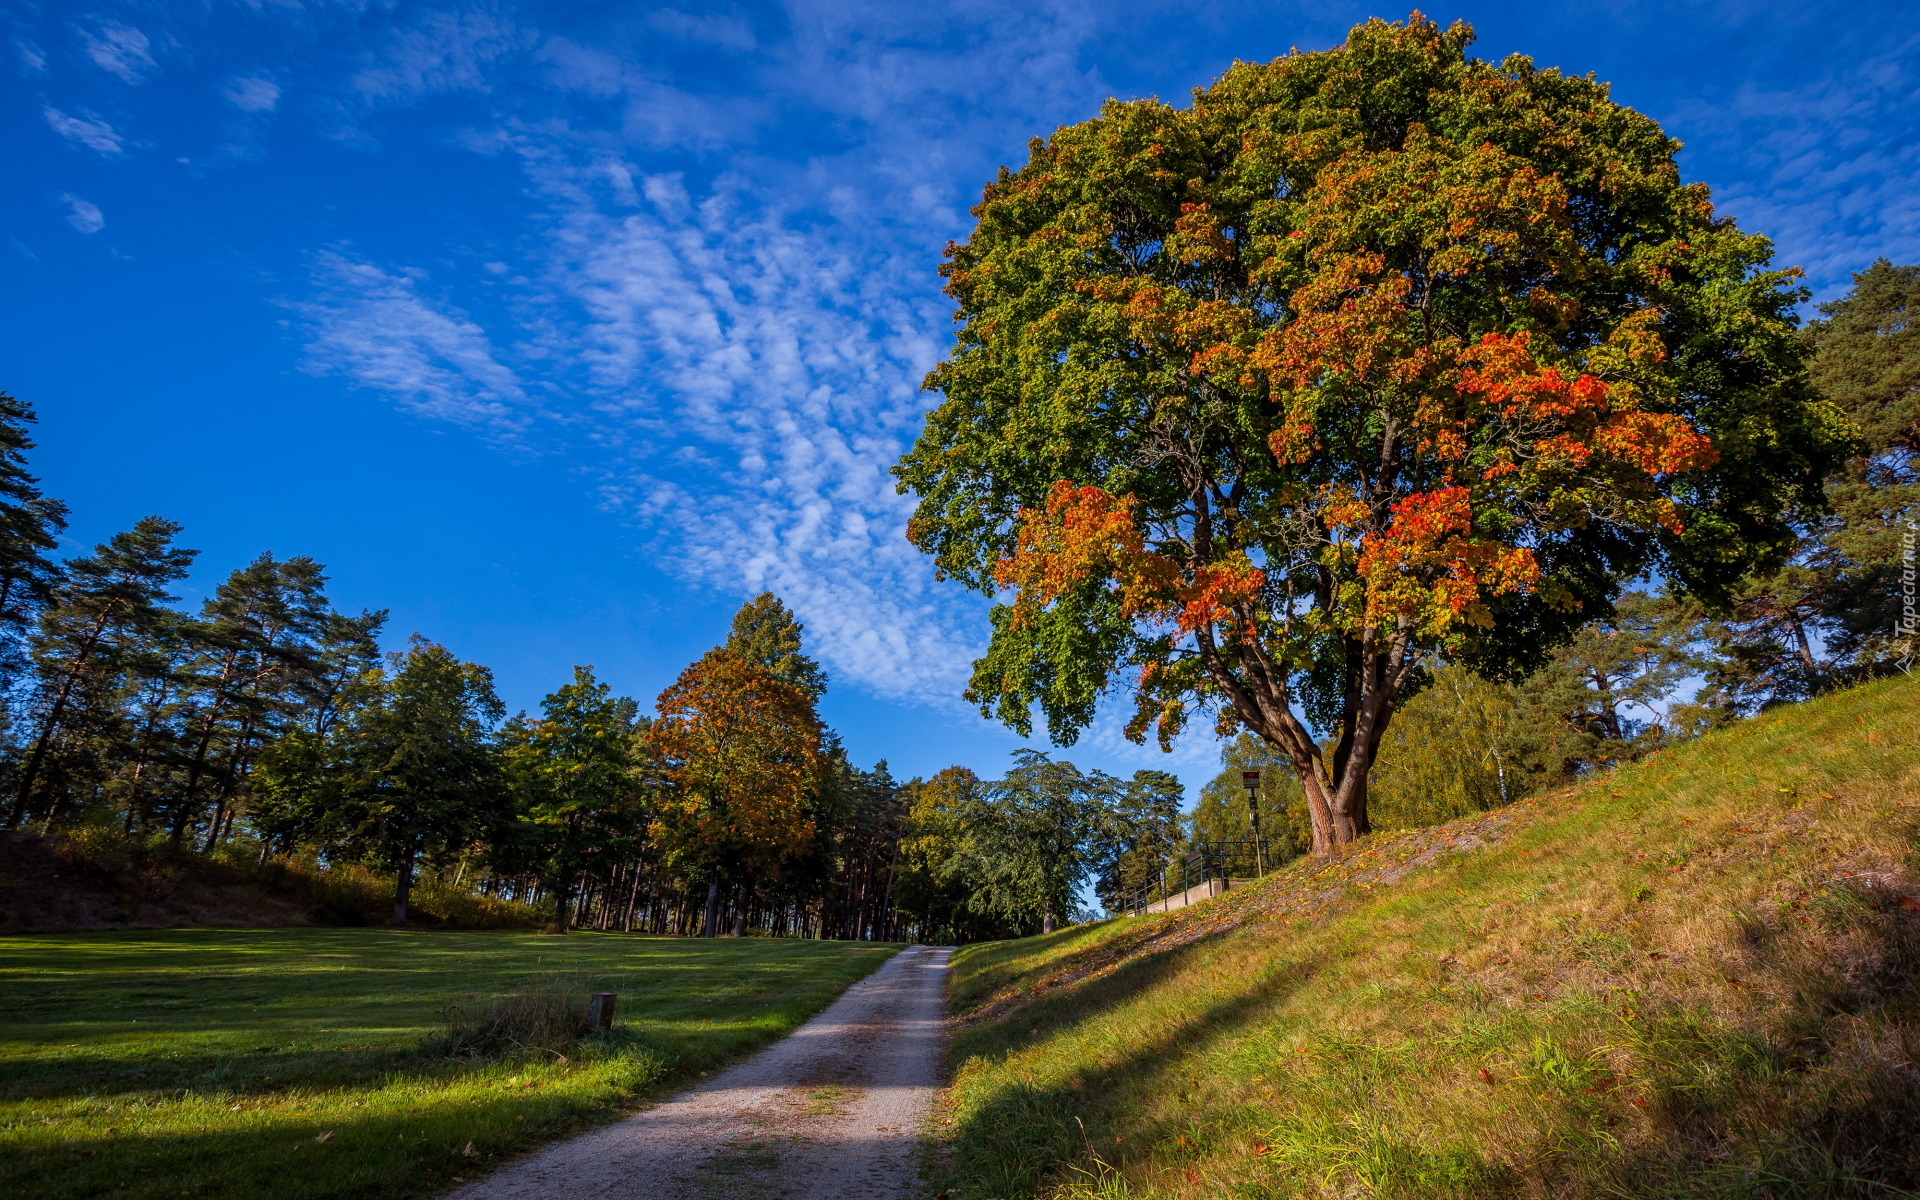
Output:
x=268 y=725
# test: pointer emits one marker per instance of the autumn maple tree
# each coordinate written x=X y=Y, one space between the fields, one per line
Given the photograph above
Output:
x=739 y=749
x=1368 y=359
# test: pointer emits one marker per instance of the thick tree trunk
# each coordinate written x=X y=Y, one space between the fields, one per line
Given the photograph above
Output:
x=403 y=887
x=741 y=909
x=562 y=897
x=1046 y=918
x=710 y=924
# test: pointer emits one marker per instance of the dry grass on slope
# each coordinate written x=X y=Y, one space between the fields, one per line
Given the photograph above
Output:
x=1690 y=977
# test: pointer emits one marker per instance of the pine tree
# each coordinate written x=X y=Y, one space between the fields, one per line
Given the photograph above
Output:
x=1035 y=837
x=256 y=648
x=106 y=608
x=30 y=528
x=1867 y=360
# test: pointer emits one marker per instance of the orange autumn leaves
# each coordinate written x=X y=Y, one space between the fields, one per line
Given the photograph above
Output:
x=1499 y=433
x=1583 y=421
x=1085 y=534
x=1429 y=568
x=742 y=749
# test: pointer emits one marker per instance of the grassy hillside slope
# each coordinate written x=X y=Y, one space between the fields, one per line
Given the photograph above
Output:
x=1694 y=976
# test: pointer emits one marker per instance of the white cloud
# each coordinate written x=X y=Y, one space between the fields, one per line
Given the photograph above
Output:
x=31 y=58
x=252 y=93
x=119 y=50
x=86 y=129
x=752 y=384
x=83 y=215
x=441 y=52
x=374 y=328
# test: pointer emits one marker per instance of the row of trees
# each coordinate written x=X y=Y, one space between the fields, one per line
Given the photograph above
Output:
x=268 y=724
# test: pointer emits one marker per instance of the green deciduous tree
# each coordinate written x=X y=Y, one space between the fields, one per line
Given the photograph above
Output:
x=409 y=772
x=1367 y=356
x=937 y=889
x=1220 y=814
x=575 y=775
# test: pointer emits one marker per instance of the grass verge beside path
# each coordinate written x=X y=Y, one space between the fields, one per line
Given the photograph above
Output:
x=1697 y=976
x=295 y=1062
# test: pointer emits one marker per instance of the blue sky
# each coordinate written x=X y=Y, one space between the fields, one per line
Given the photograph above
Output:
x=559 y=330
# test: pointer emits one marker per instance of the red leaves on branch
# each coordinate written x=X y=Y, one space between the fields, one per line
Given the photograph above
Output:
x=1429 y=568
x=1085 y=534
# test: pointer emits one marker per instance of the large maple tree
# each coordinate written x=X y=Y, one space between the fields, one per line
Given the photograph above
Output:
x=1367 y=358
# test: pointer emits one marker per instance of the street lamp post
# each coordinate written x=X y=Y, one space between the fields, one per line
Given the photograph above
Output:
x=1252 y=780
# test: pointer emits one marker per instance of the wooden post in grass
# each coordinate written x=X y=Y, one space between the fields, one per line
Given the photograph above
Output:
x=600 y=1010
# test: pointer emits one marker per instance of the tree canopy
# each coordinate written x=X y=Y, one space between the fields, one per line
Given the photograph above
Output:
x=577 y=783
x=1365 y=357
x=741 y=752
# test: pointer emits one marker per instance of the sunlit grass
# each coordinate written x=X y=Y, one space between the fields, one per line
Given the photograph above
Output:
x=1690 y=977
x=299 y=1062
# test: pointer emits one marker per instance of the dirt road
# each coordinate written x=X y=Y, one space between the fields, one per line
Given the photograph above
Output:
x=831 y=1112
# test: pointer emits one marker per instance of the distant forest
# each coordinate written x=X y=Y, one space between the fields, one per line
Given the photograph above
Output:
x=269 y=726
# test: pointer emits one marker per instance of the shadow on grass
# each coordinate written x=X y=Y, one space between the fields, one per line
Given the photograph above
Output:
x=376 y=1155
x=1026 y=1132
x=261 y=1074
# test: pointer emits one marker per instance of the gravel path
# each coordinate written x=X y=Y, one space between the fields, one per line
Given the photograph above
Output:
x=831 y=1112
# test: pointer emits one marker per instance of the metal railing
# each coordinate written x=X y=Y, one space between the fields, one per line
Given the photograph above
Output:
x=1201 y=862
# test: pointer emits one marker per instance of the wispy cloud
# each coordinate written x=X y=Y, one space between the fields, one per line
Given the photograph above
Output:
x=374 y=328
x=83 y=215
x=119 y=50
x=440 y=52
x=252 y=93
x=85 y=129
x=749 y=386
x=29 y=57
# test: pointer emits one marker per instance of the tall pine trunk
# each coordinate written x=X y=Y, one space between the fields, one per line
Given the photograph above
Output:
x=403 y=885
x=562 y=897
x=710 y=923
x=31 y=773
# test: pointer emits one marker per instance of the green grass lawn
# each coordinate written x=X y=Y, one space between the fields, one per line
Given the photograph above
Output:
x=298 y=1062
